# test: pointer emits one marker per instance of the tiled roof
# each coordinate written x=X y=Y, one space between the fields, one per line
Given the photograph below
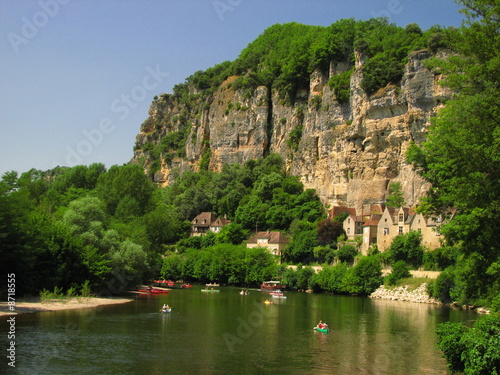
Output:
x=220 y=222
x=337 y=210
x=272 y=237
x=373 y=221
x=204 y=219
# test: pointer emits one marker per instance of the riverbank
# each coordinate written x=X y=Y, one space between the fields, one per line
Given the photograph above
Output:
x=418 y=295
x=404 y=293
x=34 y=305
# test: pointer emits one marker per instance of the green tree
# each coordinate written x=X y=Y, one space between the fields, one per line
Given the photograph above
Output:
x=407 y=247
x=365 y=277
x=461 y=156
x=474 y=350
x=127 y=180
x=399 y=271
x=396 y=196
x=301 y=249
x=347 y=253
x=233 y=234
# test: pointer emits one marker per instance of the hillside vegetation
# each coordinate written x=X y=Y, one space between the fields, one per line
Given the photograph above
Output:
x=284 y=56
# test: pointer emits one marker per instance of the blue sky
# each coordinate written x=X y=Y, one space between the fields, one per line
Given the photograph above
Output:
x=77 y=77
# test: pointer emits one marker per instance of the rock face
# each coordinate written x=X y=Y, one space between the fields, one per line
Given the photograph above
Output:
x=347 y=152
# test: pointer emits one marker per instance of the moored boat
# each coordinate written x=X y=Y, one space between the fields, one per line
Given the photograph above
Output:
x=272 y=286
x=165 y=283
x=152 y=290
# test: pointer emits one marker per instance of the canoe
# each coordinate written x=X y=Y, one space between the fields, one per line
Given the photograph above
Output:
x=324 y=330
x=278 y=296
x=211 y=290
x=166 y=310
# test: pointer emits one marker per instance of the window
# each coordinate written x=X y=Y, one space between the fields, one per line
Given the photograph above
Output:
x=400 y=229
x=348 y=230
x=386 y=231
x=348 y=221
x=401 y=217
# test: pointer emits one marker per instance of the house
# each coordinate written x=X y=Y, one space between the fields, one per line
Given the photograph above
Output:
x=219 y=223
x=353 y=224
x=275 y=242
x=429 y=227
x=206 y=221
x=393 y=221
x=379 y=225
x=370 y=233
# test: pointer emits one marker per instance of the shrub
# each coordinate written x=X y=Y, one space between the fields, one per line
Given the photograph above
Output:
x=400 y=270
x=365 y=277
x=474 y=350
x=347 y=253
x=407 y=247
x=295 y=137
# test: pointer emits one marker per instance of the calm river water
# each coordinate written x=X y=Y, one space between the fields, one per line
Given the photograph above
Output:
x=225 y=333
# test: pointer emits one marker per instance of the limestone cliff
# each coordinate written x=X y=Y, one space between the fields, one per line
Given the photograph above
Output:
x=347 y=152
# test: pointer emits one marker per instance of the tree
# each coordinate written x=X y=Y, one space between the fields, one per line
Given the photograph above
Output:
x=347 y=253
x=399 y=271
x=328 y=232
x=396 y=196
x=474 y=350
x=461 y=156
x=119 y=182
x=301 y=249
x=365 y=277
x=406 y=247
x=233 y=234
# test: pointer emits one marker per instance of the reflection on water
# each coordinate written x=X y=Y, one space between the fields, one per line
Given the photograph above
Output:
x=218 y=333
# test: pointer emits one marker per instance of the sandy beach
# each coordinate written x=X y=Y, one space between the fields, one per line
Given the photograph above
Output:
x=31 y=306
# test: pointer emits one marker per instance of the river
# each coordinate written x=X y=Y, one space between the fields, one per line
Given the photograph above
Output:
x=226 y=333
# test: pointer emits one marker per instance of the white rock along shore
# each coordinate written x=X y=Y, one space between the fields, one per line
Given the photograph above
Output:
x=402 y=293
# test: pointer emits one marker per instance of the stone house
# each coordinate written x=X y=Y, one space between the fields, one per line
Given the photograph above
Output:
x=429 y=227
x=393 y=221
x=207 y=221
x=275 y=242
x=370 y=228
x=379 y=225
x=353 y=224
